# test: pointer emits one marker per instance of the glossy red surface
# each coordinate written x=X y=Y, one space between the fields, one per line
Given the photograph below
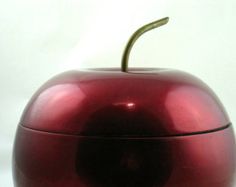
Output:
x=50 y=159
x=107 y=128
x=144 y=102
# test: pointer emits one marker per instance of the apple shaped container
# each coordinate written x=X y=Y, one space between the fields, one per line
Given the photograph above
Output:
x=136 y=127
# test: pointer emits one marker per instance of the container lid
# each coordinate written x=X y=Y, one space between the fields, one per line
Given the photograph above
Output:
x=138 y=103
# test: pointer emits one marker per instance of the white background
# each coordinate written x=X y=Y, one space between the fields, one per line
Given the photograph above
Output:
x=41 y=38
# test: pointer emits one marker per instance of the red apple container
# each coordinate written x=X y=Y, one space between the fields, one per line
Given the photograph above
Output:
x=115 y=127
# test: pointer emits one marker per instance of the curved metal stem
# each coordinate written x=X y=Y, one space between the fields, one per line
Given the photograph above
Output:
x=135 y=36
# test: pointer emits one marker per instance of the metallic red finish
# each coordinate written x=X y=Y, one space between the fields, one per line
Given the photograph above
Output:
x=51 y=159
x=107 y=128
x=143 y=103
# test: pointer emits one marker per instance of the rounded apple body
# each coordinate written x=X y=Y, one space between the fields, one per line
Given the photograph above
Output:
x=107 y=128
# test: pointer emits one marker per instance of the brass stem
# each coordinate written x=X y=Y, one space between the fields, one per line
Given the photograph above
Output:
x=135 y=36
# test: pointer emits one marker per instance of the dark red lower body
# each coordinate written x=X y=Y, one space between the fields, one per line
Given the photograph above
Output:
x=56 y=160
